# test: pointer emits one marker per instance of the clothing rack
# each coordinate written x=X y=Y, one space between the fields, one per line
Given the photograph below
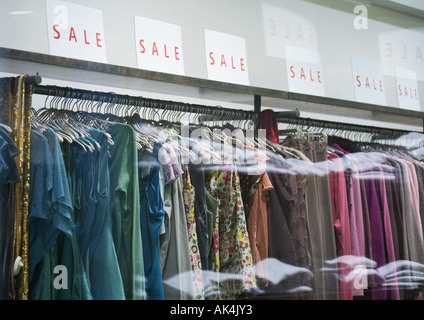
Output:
x=110 y=98
x=367 y=134
x=207 y=113
x=308 y=122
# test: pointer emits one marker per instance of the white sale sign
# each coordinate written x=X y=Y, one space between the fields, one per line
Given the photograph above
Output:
x=75 y=31
x=159 y=46
x=226 y=57
x=368 y=81
x=304 y=71
x=407 y=89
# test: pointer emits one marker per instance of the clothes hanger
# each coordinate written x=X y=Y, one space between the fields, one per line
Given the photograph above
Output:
x=42 y=126
x=89 y=120
x=6 y=127
x=56 y=119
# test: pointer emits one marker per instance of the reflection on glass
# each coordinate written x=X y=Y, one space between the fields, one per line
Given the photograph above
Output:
x=224 y=212
x=283 y=27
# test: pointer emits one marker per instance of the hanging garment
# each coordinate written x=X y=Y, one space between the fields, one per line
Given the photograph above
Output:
x=196 y=262
x=419 y=168
x=50 y=213
x=377 y=235
x=339 y=205
x=356 y=222
x=255 y=204
x=414 y=192
x=212 y=205
x=67 y=249
x=125 y=209
x=254 y=184
x=209 y=277
x=174 y=244
x=269 y=124
x=320 y=219
x=232 y=257
x=196 y=174
x=413 y=244
x=393 y=293
x=9 y=176
x=151 y=217
x=287 y=224
x=94 y=222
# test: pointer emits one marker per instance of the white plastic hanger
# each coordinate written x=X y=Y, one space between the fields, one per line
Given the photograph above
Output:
x=6 y=127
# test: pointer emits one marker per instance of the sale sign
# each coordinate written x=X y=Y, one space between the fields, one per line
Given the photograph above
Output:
x=407 y=89
x=285 y=28
x=75 y=31
x=226 y=57
x=368 y=81
x=159 y=46
x=304 y=71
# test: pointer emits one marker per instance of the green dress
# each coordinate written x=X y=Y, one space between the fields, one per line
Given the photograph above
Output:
x=125 y=209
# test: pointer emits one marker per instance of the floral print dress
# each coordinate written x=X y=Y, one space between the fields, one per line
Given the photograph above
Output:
x=230 y=256
x=189 y=193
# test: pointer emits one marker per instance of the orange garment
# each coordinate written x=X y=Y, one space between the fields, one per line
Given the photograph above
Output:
x=258 y=222
x=254 y=183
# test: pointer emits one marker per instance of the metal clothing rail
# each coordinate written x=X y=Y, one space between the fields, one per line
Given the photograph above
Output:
x=308 y=122
x=110 y=99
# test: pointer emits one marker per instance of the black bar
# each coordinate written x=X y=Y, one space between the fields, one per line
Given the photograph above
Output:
x=142 y=102
x=340 y=125
x=33 y=80
x=292 y=114
x=257 y=109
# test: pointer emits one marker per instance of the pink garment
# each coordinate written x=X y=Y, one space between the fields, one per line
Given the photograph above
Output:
x=357 y=232
x=340 y=210
x=394 y=290
x=170 y=163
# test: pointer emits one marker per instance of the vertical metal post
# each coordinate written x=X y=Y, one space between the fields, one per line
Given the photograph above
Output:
x=257 y=110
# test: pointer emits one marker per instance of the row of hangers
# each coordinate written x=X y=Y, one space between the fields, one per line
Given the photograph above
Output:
x=396 y=143
x=360 y=134
x=71 y=119
x=66 y=98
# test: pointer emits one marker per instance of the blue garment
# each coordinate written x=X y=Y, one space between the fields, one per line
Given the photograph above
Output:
x=66 y=252
x=67 y=248
x=151 y=217
x=50 y=212
x=60 y=198
x=94 y=223
x=42 y=232
x=9 y=176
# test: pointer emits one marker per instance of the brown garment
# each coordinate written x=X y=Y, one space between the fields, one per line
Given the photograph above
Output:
x=255 y=202
x=320 y=219
x=291 y=186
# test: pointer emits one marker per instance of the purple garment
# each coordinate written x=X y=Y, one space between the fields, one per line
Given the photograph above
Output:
x=357 y=231
x=377 y=292
x=336 y=146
